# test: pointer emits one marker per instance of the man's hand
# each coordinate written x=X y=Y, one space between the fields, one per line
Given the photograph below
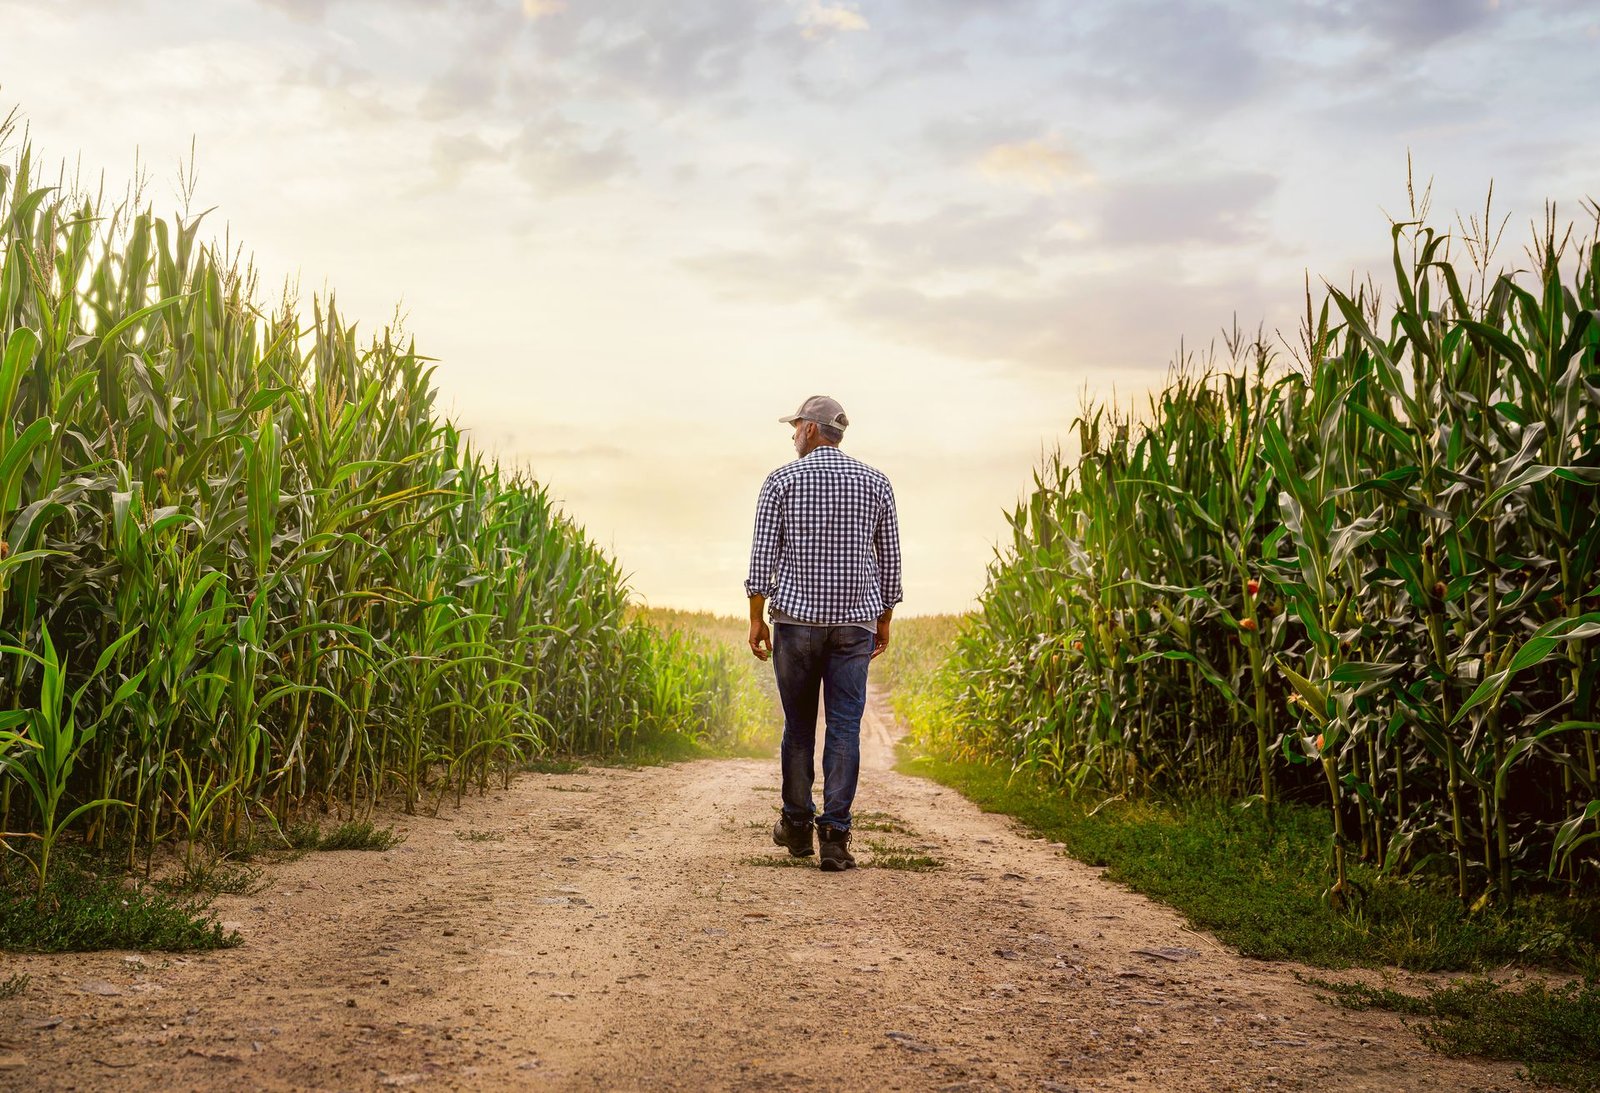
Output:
x=881 y=641
x=760 y=639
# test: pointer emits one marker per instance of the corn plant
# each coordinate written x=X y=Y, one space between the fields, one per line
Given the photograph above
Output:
x=57 y=731
x=1360 y=570
x=300 y=586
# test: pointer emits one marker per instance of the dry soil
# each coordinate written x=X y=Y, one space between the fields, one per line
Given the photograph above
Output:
x=634 y=929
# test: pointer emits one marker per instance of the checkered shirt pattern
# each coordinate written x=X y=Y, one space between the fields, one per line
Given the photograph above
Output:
x=827 y=541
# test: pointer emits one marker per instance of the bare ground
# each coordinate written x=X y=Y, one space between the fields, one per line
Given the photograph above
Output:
x=613 y=929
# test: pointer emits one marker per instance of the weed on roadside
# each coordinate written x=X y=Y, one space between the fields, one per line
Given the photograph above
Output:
x=216 y=878
x=349 y=835
x=82 y=911
x=1259 y=887
x=881 y=822
x=14 y=985
x=889 y=856
x=776 y=862
x=1554 y=1032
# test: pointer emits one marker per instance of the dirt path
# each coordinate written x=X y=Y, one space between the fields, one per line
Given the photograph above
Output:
x=614 y=932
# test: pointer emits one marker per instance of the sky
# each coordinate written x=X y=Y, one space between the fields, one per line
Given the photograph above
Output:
x=634 y=234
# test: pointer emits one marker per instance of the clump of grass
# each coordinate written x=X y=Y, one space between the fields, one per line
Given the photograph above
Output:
x=12 y=986
x=880 y=822
x=1260 y=887
x=349 y=835
x=82 y=911
x=219 y=877
x=779 y=862
x=1554 y=1032
x=889 y=856
x=479 y=836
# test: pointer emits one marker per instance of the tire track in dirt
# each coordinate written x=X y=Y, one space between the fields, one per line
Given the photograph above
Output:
x=610 y=931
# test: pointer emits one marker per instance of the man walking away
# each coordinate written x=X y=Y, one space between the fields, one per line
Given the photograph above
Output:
x=826 y=561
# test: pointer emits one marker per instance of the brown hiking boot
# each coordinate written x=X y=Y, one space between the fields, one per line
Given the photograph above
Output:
x=796 y=837
x=836 y=857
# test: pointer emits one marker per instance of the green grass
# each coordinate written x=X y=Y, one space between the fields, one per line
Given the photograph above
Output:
x=83 y=911
x=878 y=822
x=1260 y=889
x=776 y=861
x=215 y=877
x=1554 y=1032
x=349 y=835
x=14 y=985
x=886 y=855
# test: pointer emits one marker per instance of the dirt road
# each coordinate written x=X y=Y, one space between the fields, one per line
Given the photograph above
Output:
x=623 y=929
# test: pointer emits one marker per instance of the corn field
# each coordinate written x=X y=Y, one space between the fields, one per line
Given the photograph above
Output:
x=247 y=569
x=1364 y=569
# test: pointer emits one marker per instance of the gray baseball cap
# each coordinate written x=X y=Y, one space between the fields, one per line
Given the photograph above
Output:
x=820 y=409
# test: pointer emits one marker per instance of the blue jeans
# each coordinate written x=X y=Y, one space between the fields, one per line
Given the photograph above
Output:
x=832 y=659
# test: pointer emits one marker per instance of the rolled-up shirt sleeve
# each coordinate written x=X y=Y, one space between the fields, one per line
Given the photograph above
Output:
x=765 y=544
x=886 y=543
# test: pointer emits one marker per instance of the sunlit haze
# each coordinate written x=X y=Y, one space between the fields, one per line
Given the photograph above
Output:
x=635 y=234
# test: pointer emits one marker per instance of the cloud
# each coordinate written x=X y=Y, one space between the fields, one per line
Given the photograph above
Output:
x=1043 y=164
x=1126 y=322
x=1182 y=57
x=455 y=154
x=820 y=20
x=1405 y=27
x=817 y=248
x=559 y=157
x=1223 y=208
x=538 y=9
x=961 y=138
x=665 y=55
x=809 y=271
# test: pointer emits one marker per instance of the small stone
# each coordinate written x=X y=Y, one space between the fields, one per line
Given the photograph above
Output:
x=909 y=1042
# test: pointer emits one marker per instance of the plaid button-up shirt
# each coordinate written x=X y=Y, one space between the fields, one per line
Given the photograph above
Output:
x=827 y=542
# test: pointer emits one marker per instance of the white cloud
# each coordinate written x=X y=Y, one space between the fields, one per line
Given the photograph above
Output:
x=820 y=20
x=1044 y=164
